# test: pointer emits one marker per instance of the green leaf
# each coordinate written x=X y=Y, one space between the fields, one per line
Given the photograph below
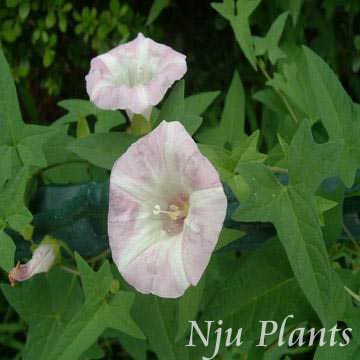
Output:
x=294 y=81
x=102 y=149
x=191 y=123
x=247 y=151
x=338 y=114
x=327 y=352
x=7 y=166
x=64 y=166
x=24 y=10
x=198 y=103
x=270 y=43
x=7 y=251
x=228 y=162
x=31 y=141
x=82 y=128
x=42 y=305
x=297 y=225
x=261 y=287
x=50 y=19
x=174 y=106
x=93 y=352
x=49 y=57
x=156 y=8
x=220 y=159
x=106 y=120
x=311 y=163
x=188 y=307
x=62 y=22
x=63 y=327
x=271 y=100
x=12 y=3
x=20 y=144
x=333 y=219
x=227 y=236
x=233 y=115
x=240 y=23
x=295 y=7
x=157 y=319
x=55 y=150
x=13 y=211
x=95 y=284
x=10 y=117
x=323 y=205
x=134 y=347
x=231 y=129
x=78 y=106
x=78 y=109
x=173 y=109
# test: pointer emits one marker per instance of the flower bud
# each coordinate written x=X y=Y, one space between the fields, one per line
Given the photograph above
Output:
x=42 y=260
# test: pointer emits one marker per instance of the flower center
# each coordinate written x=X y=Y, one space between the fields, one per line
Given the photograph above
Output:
x=173 y=217
x=174 y=212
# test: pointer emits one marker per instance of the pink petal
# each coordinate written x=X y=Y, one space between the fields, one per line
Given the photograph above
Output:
x=159 y=270
x=134 y=76
x=201 y=230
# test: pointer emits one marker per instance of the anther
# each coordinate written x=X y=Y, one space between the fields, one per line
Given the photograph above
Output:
x=157 y=210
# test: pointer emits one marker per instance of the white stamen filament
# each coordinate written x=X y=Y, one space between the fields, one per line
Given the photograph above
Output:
x=175 y=213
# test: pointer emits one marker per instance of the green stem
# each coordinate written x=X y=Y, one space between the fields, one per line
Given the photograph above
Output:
x=278 y=91
x=11 y=343
x=355 y=296
x=96 y=258
x=67 y=249
x=12 y=327
x=276 y=169
x=69 y=270
x=352 y=239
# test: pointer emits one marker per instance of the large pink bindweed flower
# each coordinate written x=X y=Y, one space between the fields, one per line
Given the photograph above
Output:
x=167 y=208
x=134 y=76
x=42 y=260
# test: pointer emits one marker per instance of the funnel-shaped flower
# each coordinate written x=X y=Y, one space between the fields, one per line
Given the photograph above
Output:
x=167 y=207
x=42 y=260
x=134 y=76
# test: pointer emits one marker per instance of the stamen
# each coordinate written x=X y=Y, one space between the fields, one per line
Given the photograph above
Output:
x=175 y=213
x=157 y=210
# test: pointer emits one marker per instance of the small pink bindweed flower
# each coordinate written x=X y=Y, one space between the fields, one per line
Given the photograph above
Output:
x=134 y=76
x=167 y=208
x=42 y=260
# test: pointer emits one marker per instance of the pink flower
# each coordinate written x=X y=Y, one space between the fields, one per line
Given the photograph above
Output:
x=42 y=260
x=167 y=207
x=134 y=76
